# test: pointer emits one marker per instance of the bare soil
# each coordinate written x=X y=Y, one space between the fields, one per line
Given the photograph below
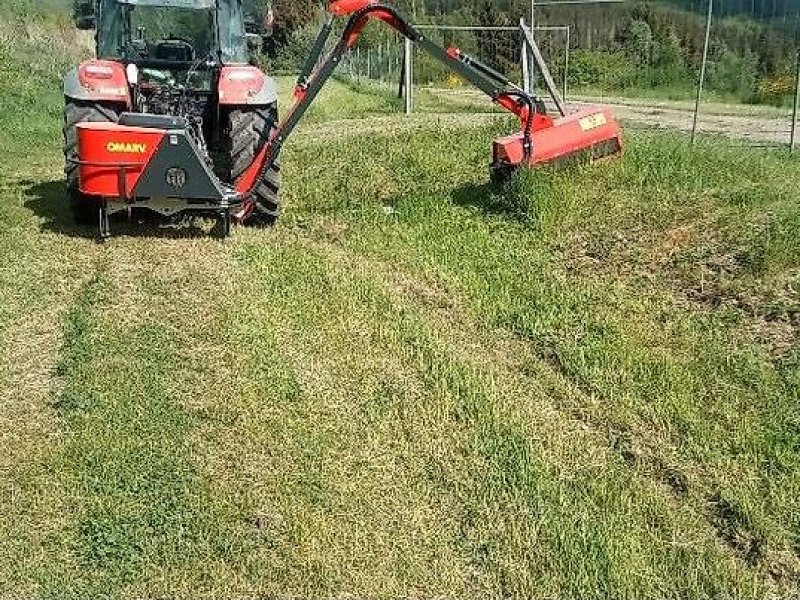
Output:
x=753 y=124
x=755 y=128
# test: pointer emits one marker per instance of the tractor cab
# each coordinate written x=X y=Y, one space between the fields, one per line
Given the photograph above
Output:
x=171 y=50
x=167 y=32
x=166 y=66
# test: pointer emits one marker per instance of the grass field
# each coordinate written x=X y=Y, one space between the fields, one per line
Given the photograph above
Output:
x=416 y=386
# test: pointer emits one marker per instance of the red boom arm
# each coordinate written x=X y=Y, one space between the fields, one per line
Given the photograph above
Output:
x=314 y=77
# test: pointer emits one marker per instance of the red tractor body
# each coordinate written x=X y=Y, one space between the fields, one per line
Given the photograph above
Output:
x=113 y=157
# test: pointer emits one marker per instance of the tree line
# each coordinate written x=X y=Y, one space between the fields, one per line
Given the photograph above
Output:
x=655 y=44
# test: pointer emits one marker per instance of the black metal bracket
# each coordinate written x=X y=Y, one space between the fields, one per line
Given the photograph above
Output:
x=104 y=220
x=316 y=53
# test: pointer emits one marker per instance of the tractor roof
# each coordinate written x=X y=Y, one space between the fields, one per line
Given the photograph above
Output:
x=198 y=4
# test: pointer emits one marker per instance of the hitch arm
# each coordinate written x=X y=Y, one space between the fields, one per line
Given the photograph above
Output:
x=318 y=70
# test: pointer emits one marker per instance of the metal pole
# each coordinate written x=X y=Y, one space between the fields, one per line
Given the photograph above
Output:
x=532 y=83
x=702 y=81
x=401 y=85
x=566 y=65
x=409 y=73
x=544 y=71
x=793 y=141
x=526 y=70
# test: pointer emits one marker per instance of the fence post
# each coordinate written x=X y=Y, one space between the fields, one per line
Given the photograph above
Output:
x=388 y=76
x=566 y=63
x=409 y=74
x=396 y=68
x=793 y=140
x=702 y=81
x=526 y=72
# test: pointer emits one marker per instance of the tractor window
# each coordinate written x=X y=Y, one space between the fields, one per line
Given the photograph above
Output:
x=139 y=32
x=172 y=34
x=231 y=32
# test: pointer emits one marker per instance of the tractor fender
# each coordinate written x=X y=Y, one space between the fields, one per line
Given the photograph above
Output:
x=98 y=81
x=245 y=85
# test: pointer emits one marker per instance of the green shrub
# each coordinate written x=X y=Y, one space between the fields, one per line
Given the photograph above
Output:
x=774 y=91
x=608 y=70
x=732 y=73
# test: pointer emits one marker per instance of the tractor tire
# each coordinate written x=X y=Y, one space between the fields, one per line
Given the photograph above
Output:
x=249 y=128
x=84 y=208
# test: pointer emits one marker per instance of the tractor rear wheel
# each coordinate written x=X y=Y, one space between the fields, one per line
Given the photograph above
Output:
x=84 y=208
x=249 y=128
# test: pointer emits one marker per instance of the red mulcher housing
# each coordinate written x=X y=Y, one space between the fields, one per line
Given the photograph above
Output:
x=145 y=145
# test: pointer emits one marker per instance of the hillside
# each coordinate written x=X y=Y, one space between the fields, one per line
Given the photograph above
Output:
x=38 y=41
x=416 y=385
x=771 y=10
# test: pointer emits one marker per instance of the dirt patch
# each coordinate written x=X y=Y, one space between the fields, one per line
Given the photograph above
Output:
x=734 y=529
x=717 y=280
x=641 y=456
x=751 y=129
x=784 y=570
x=753 y=124
x=428 y=292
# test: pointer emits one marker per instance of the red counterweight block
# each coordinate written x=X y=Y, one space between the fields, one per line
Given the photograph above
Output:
x=113 y=157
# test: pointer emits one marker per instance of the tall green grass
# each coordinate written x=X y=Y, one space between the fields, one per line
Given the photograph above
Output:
x=37 y=45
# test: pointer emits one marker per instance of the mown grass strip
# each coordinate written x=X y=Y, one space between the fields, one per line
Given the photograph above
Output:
x=525 y=511
x=688 y=395
x=140 y=505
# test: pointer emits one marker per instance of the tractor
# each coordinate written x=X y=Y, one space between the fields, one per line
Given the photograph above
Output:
x=168 y=65
x=172 y=117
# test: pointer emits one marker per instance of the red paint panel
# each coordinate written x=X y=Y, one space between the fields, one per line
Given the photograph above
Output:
x=249 y=177
x=107 y=146
x=105 y=80
x=340 y=8
x=238 y=84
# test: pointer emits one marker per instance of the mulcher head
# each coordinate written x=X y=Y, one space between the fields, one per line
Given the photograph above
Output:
x=591 y=134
